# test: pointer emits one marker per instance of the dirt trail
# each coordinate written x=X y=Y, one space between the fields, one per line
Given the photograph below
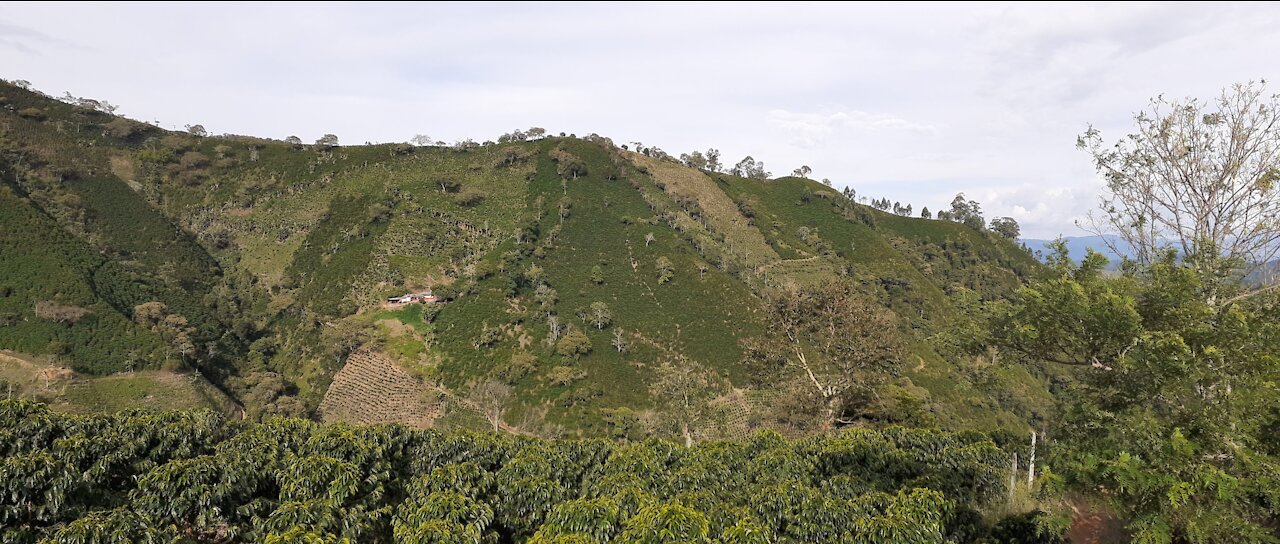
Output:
x=9 y=356
x=1094 y=525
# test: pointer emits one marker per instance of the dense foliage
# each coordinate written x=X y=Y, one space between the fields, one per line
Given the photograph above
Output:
x=195 y=477
x=1174 y=414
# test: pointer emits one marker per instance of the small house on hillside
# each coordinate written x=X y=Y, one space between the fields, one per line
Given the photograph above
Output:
x=410 y=298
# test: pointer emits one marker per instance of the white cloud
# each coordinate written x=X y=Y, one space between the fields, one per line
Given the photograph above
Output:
x=810 y=129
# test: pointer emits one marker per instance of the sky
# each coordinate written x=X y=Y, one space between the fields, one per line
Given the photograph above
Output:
x=913 y=102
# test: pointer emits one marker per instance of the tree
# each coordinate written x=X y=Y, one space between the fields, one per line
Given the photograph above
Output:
x=491 y=398
x=619 y=340
x=546 y=297
x=573 y=344
x=966 y=211
x=748 y=167
x=520 y=365
x=702 y=270
x=197 y=130
x=597 y=275
x=1007 y=227
x=648 y=239
x=844 y=345
x=421 y=140
x=665 y=270
x=535 y=274
x=1202 y=177
x=685 y=390
x=265 y=394
x=599 y=315
x=327 y=141
x=924 y=213
x=802 y=172
x=553 y=329
x=344 y=337
x=535 y=133
x=1075 y=318
x=513 y=136
x=565 y=375
x=149 y=314
x=294 y=141
x=122 y=128
x=1165 y=418
x=694 y=160
x=713 y=160
x=573 y=168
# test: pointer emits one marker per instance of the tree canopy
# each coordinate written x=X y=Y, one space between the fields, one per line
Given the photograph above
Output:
x=1195 y=175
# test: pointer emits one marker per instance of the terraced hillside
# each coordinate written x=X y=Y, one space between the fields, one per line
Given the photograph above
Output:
x=580 y=280
x=371 y=389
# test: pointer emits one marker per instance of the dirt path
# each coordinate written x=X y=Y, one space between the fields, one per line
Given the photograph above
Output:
x=1094 y=525
x=9 y=356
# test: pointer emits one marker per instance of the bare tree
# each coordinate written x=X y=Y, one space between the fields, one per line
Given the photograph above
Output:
x=491 y=398
x=599 y=315
x=686 y=389
x=421 y=140
x=60 y=313
x=648 y=239
x=553 y=329
x=619 y=340
x=1198 y=176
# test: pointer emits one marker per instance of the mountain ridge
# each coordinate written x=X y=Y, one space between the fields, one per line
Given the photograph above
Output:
x=575 y=269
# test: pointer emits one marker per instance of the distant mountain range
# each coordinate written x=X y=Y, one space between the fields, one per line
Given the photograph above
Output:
x=1079 y=246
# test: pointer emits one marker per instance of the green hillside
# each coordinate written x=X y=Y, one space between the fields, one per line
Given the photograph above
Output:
x=582 y=281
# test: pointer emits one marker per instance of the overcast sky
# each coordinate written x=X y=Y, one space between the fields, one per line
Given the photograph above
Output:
x=913 y=102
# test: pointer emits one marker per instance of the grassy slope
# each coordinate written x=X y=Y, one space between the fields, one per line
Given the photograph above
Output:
x=332 y=232
x=151 y=390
